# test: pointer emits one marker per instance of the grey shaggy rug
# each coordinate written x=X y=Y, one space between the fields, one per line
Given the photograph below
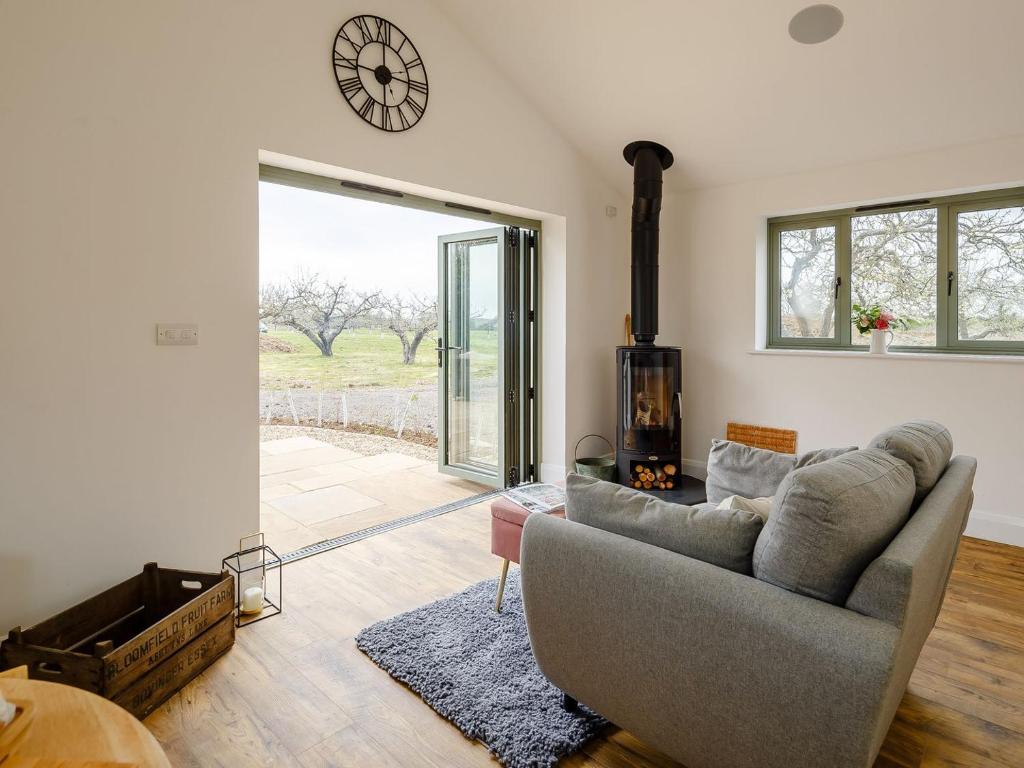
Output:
x=474 y=667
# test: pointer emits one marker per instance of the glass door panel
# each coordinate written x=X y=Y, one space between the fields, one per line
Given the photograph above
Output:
x=471 y=355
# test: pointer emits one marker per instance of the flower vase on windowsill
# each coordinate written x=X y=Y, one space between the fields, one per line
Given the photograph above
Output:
x=879 y=323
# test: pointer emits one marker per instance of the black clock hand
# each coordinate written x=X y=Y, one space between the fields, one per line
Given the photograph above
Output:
x=373 y=69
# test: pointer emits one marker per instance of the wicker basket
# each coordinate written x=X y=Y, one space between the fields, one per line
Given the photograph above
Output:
x=769 y=438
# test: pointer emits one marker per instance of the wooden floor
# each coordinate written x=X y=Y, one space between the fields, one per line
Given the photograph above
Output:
x=295 y=691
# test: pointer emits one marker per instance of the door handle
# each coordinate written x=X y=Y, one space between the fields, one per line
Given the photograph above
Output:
x=441 y=349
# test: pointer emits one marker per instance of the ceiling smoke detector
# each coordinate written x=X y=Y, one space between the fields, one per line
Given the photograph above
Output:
x=816 y=24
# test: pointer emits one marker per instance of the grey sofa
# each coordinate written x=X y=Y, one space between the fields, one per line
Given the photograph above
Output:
x=722 y=670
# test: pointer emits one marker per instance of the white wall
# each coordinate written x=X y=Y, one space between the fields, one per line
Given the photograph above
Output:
x=130 y=135
x=714 y=241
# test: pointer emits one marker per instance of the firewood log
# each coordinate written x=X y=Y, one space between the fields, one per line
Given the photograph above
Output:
x=670 y=469
x=638 y=484
x=647 y=486
x=669 y=485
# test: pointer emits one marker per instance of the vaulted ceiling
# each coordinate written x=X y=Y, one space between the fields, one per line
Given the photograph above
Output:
x=735 y=98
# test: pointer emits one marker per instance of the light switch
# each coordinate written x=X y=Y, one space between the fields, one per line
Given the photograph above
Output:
x=177 y=334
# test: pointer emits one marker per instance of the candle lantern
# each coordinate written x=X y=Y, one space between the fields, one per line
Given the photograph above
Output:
x=257 y=571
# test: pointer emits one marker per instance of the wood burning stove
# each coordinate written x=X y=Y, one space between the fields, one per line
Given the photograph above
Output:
x=649 y=447
x=650 y=416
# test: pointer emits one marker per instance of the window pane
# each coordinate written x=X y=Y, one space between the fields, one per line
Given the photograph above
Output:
x=894 y=261
x=990 y=275
x=807 y=271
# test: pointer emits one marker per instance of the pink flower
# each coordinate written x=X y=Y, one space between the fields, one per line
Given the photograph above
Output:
x=864 y=322
x=888 y=317
x=882 y=323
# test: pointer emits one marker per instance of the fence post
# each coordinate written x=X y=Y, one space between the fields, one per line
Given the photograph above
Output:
x=320 y=404
x=405 y=415
x=291 y=404
x=270 y=406
x=398 y=406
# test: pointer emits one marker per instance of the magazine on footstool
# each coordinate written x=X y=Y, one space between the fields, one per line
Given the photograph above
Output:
x=537 y=497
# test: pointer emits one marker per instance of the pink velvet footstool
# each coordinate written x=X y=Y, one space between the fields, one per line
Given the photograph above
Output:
x=507 y=520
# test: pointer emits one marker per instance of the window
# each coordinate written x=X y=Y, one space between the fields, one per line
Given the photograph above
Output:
x=807 y=262
x=990 y=265
x=894 y=258
x=951 y=268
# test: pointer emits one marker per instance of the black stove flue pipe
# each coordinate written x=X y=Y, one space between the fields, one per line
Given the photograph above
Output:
x=648 y=159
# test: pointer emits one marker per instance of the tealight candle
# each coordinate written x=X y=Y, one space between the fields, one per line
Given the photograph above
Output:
x=7 y=711
x=252 y=600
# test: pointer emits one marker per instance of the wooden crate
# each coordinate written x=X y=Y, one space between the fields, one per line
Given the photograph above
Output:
x=122 y=642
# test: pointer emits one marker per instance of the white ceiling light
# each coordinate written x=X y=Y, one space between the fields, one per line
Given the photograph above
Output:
x=816 y=24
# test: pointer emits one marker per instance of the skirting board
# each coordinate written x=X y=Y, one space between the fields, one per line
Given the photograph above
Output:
x=995 y=527
x=695 y=468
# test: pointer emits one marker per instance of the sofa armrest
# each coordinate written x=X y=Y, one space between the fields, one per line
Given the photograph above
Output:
x=905 y=585
x=714 y=667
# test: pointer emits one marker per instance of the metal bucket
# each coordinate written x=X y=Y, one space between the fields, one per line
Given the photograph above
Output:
x=601 y=467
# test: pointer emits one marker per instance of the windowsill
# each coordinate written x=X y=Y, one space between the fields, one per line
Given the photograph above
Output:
x=946 y=357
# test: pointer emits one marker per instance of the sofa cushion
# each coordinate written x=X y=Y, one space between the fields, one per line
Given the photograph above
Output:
x=725 y=538
x=822 y=454
x=926 y=446
x=735 y=469
x=761 y=506
x=830 y=520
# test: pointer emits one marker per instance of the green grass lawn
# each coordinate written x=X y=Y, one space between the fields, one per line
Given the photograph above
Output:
x=362 y=358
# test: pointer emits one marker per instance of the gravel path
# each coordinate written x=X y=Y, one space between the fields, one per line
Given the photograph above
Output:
x=368 y=445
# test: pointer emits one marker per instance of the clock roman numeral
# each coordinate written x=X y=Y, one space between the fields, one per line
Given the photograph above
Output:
x=417 y=87
x=417 y=62
x=341 y=60
x=350 y=86
x=369 y=107
x=342 y=35
x=417 y=109
x=383 y=32
x=364 y=29
x=403 y=119
x=386 y=123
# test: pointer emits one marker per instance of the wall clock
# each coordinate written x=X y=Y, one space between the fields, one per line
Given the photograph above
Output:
x=380 y=73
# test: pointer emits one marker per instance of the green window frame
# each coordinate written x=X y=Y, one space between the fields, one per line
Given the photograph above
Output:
x=947 y=289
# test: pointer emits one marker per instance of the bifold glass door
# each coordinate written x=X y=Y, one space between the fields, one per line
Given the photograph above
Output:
x=486 y=327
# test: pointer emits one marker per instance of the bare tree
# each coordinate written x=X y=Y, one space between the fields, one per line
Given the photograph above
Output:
x=410 y=320
x=808 y=276
x=319 y=309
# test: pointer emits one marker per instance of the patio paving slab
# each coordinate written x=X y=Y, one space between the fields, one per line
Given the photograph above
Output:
x=290 y=444
x=385 y=462
x=268 y=480
x=313 y=490
x=310 y=457
x=272 y=492
x=343 y=474
x=324 y=504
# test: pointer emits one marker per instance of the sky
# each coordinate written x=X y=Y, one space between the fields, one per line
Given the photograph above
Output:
x=373 y=246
